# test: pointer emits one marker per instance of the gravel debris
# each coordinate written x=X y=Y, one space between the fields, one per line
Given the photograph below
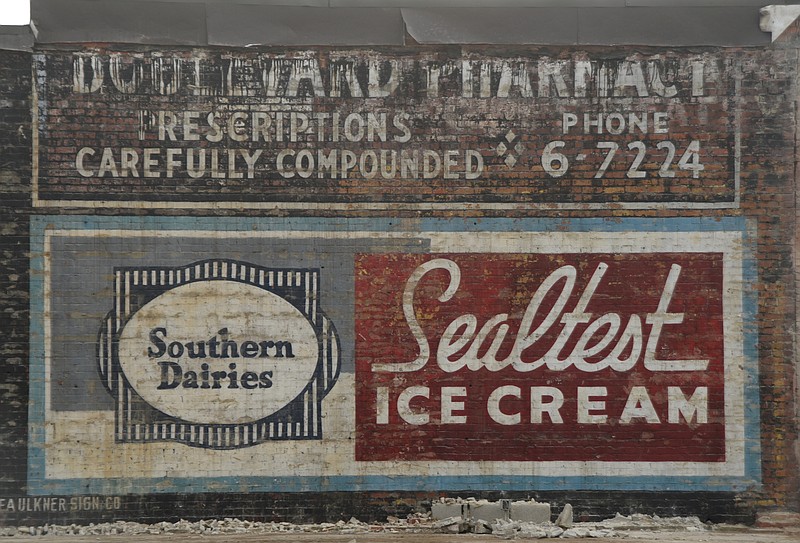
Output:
x=653 y=522
x=416 y=523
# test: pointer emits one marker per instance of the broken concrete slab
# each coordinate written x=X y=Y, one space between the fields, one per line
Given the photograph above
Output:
x=488 y=511
x=449 y=521
x=565 y=518
x=505 y=528
x=521 y=511
x=530 y=511
x=452 y=525
x=444 y=510
x=481 y=527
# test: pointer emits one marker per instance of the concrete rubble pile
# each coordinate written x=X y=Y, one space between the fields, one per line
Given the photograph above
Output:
x=511 y=519
x=535 y=525
x=531 y=520
x=214 y=527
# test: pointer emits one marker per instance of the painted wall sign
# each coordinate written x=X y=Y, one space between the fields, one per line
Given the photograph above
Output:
x=541 y=357
x=528 y=353
x=217 y=354
x=358 y=129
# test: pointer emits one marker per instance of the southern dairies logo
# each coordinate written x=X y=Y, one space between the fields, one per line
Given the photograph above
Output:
x=218 y=354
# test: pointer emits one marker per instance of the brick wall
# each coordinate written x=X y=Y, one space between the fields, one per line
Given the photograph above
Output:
x=15 y=173
x=181 y=205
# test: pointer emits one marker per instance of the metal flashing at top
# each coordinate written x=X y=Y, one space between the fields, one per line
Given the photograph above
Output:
x=715 y=26
x=488 y=4
x=114 y=21
x=695 y=26
x=700 y=3
x=292 y=3
x=241 y=23
x=557 y=26
x=16 y=38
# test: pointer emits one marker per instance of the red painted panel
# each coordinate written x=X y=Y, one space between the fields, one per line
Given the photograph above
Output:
x=631 y=415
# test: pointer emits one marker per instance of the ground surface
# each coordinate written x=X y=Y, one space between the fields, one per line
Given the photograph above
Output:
x=774 y=527
x=739 y=535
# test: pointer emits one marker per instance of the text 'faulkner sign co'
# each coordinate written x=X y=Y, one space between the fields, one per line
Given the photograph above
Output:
x=364 y=129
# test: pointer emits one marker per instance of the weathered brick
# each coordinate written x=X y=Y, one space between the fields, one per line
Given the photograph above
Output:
x=488 y=159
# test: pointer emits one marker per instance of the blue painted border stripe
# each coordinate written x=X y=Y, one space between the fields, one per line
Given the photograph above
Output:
x=39 y=485
x=610 y=224
x=752 y=396
x=36 y=370
x=383 y=483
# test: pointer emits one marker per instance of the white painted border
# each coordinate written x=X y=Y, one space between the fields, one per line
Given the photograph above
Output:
x=80 y=445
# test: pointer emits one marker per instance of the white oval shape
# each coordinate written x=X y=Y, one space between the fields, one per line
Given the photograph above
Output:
x=195 y=313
